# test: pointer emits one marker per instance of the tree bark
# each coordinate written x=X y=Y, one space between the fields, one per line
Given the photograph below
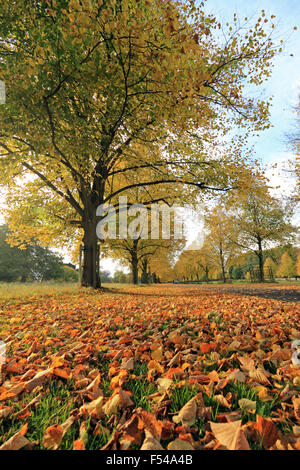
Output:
x=90 y=270
x=134 y=262
x=260 y=261
x=145 y=276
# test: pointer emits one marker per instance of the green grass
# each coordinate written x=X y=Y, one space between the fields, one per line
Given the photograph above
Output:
x=54 y=408
x=21 y=290
x=140 y=387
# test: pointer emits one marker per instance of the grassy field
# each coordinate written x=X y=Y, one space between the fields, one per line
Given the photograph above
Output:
x=135 y=367
x=19 y=290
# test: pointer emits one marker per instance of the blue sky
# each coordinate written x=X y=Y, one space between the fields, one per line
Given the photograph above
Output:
x=284 y=83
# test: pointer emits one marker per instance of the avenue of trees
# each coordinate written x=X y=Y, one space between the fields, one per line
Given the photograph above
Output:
x=106 y=97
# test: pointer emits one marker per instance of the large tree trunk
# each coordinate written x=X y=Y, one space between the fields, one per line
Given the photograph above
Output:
x=91 y=243
x=223 y=274
x=134 y=263
x=260 y=261
x=90 y=269
x=222 y=264
x=145 y=275
x=134 y=270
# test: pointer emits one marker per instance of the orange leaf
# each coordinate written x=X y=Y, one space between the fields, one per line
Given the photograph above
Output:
x=267 y=430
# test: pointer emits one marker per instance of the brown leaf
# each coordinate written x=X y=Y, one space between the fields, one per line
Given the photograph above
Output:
x=16 y=442
x=230 y=435
x=296 y=404
x=247 y=363
x=54 y=434
x=40 y=378
x=149 y=423
x=222 y=400
x=150 y=443
x=236 y=375
x=267 y=430
x=94 y=408
x=187 y=414
x=180 y=444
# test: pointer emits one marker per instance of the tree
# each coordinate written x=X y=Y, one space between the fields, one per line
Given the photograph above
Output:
x=260 y=220
x=162 y=267
x=87 y=80
x=294 y=142
x=139 y=253
x=120 y=277
x=221 y=239
x=194 y=264
x=32 y=262
x=270 y=265
x=298 y=265
x=286 y=267
x=105 y=276
x=236 y=272
x=69 y=274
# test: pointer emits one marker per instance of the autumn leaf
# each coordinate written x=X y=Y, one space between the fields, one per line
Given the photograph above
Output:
x=296 y=405
x=247 y=405
x=150 y=443
x=236 y=375
x=222 y=401
x=180 y=444
x=267 y=430
x=16 y=442
x=187 y=414
x=230 y=435
x=149 y=422
x=164 y=384
x=55 y=433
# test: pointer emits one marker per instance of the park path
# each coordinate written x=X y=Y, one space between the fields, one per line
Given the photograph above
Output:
x=283 y=293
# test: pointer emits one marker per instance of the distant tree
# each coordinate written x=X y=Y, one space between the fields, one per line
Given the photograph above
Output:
x=286 y=267
x=269 y=264
x=236 y=272
x=162 y=267
x=221 y=239
x=260 y=220
x=105 y=276
x=69 y=274
x=120 y=277
x=32 y=263
x=298 y=265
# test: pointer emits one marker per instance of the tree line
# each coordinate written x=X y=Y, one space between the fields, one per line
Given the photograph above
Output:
x=32 y=263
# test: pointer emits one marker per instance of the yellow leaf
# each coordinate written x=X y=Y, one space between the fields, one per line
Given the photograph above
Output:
x=247 y=405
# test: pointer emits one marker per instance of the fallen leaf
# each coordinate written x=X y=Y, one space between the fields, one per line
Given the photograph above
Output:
x=187 y=414
x=150 y=443
x=230 y=435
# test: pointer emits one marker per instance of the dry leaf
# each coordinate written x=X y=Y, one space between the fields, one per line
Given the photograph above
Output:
x=180 y=444
x=267 y=430
x=16 y=442
x=187 y=414
x=230 y=435
x=150 y=443
x=247 y=405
